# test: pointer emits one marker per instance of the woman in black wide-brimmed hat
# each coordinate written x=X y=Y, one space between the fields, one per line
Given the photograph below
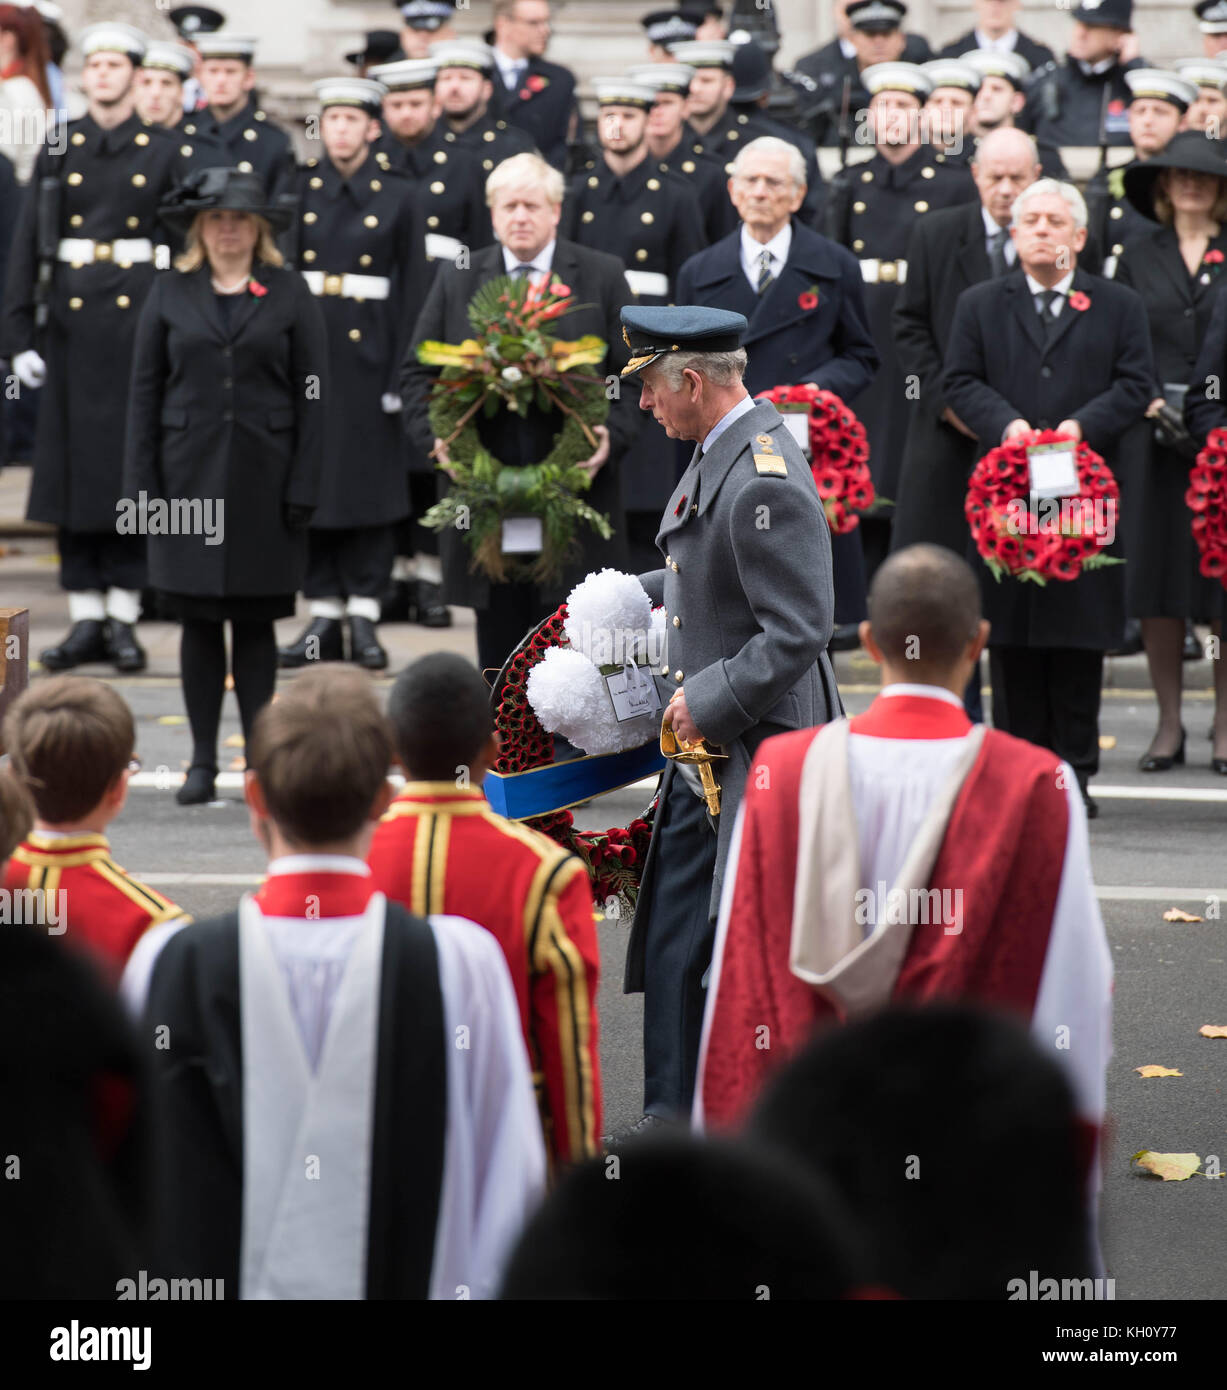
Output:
x=225 y=431
x=1179 y=270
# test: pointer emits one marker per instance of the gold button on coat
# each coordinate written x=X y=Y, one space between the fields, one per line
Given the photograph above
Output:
x=438 y=187
x=316 y=183
x=141 y=138
x=139 y=180
x=370 y=221
x=921 y=206
x=74 y=178
x=355 y=335
x=310 y=218
x=75 y=303
x=123 y=301
x=250 y=134
x=375 y=185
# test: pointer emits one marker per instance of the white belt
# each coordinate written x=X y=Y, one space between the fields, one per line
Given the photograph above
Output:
x=82 y=251
x=875 y=272
x=442 y=248
x=648 y=282
x=348 y=286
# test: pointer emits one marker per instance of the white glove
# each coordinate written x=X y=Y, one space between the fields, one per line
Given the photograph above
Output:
x=30 y=368
x=391 y=404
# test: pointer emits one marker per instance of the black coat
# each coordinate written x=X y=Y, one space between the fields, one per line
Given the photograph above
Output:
x=1037 y=54
x=368 y=224
x=449 y=187
x=1098 y=370
x=711 y=184
x=1112 y=220
x=543 y=105
x=250 y=142
x=234 y=414
x=489 y=141
x=946 y=255
x=1162 y=578
x=112 y=183
x=827 y=67
x=600 y=292
x=734 y=131
x=1064 y=105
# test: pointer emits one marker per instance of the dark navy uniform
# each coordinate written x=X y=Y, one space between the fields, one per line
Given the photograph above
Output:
x=489 y=140
x=361 y=252
x=1064 y=102
x=735 y=130
x=198 y=149
x=873 y=208
x=449 y=187
x=252 y=143
x=1112 y=220
x=711 y=184
x=112 y=183
x=827 y=67
x=543 y=106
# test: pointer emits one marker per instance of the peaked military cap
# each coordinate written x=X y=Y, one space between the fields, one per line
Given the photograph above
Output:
x=650 y=332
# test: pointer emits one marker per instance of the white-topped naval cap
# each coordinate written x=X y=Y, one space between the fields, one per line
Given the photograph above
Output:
x=621 y=91
x=705 y=53
x=113 y=38
x=169 y=57
x=897 y=77
x=990 y=63
x=463 y=53
x=407 y=75
x=662 y=77
x=226 y=45
x=362 y=92
x=1204 y=72
x=952 y=72
x=1162 y=86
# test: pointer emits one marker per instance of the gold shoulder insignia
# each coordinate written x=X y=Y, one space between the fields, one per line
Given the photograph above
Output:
x=771 y=463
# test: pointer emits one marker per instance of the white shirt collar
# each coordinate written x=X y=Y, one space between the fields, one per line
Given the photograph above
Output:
x=847 y=48
x=1096 y=69
x=508 y=65
x=317 y=864
x=1005 y=44
x=747 y=403
x=543 y=260
x=751 y=250
x=1061 y=287
x=929 y=692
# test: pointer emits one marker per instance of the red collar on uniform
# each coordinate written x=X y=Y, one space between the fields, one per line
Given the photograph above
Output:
x=911 y=716
x=315 y=894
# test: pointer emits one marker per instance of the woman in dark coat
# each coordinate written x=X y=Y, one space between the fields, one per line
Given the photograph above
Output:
x=225 y=427
x=1178 y=269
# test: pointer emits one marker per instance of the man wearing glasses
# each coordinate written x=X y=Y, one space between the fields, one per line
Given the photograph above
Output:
x=537 y=96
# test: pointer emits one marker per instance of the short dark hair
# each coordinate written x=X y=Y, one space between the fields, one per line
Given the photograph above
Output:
x=68 y=739
x=953 y=1140
x=924 y=607
x=683 y=1218
x=440 y=713
x=321 y=750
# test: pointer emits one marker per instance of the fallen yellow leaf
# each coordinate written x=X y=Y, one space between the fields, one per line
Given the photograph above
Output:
x=1175 y=914
x=1169 y=1167
x=234 y=741
x=1152 y=1070
x=1213 y=1030
x=1107 y=740
x=172 y=719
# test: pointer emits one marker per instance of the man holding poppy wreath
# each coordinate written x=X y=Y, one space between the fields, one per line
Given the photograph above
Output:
x=1049 y=347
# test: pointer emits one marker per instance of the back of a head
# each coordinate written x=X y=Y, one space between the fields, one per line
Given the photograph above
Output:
x=68 y=739
x=951 y=1138
x=440 y=712
x=924 y=608
x=681 y=1218
x=322 y=751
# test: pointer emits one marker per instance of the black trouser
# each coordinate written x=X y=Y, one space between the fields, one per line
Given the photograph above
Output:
x=100 y=560
x=351 y=563
x=412 y=538
x=202 y=666
x=512 y=612
x=1050 y=696
x=677 y=951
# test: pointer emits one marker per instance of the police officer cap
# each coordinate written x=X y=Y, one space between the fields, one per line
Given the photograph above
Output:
x=169 y=57
x=987 y=63
x=427 y=14
x=463 y=53
x=381 y=44
x=621 y=91
x=671 y=26
x=705 y=53
x=1161 y=86
x=363 y=92
x=114 y=38
x=407 y=75
x=650 y=332
x=227 y=45
x=876 y=16
x=897 y=77
x=751 y=70
x=1107 y=14
x=1212 y=15
x=191 y=20
x=1205 y=72
x=662 y=77
x=952 y=72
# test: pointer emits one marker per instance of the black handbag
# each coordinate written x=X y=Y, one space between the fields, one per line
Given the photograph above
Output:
x=1169 y=425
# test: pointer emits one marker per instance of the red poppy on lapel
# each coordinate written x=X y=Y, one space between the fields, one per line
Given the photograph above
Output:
x=681 y=507
x=257 y=288
x=1213 y=257
x=535 y=83
x=1079 y=301
x=807 y=300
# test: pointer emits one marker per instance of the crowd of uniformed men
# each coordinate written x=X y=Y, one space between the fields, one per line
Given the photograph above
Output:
x=398 y=188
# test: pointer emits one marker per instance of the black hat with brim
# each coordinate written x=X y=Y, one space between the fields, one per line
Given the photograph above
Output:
x=218 y=190
x=381 y=47
x=1191 y=150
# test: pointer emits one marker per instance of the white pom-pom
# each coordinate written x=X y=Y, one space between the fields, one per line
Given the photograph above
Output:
x=568 y=696
x=656 y=640
x=608 y=615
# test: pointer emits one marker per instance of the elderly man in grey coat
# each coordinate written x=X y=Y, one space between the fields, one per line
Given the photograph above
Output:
x=747 y=591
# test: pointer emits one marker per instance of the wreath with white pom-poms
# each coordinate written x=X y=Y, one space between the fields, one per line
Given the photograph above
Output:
x=549 y=680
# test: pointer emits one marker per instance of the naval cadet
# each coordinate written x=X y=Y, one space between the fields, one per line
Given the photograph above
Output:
x=1209 y=112
x=72 y=301
x=1158 y=103
x=948 y=109
x=164 y=72
x=1000 y=99
x=746 y=588
x=464 y=87
x=252 y=142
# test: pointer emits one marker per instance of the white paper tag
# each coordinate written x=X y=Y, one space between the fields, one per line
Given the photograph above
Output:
x=1053 y=472
x=632 y=691
x=797 y=425
x=522 y=535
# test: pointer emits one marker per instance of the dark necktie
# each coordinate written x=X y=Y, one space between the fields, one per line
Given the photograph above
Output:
x=996 y=252
x=524 y=268
x=1047 y=301
x=765 y=276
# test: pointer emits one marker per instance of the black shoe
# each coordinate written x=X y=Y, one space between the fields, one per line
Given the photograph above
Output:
x=431 y=610
x=364 y=648
x=645 y=1124
x=1192 y=647
x=199 y=786
x=86 y=641
x=1092 y=806
x=322 y=640
x=1132 y=643
x=1162 y=762
x=124 y=651
x=845 y=638
x=1219 y=765
x=397 y=604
